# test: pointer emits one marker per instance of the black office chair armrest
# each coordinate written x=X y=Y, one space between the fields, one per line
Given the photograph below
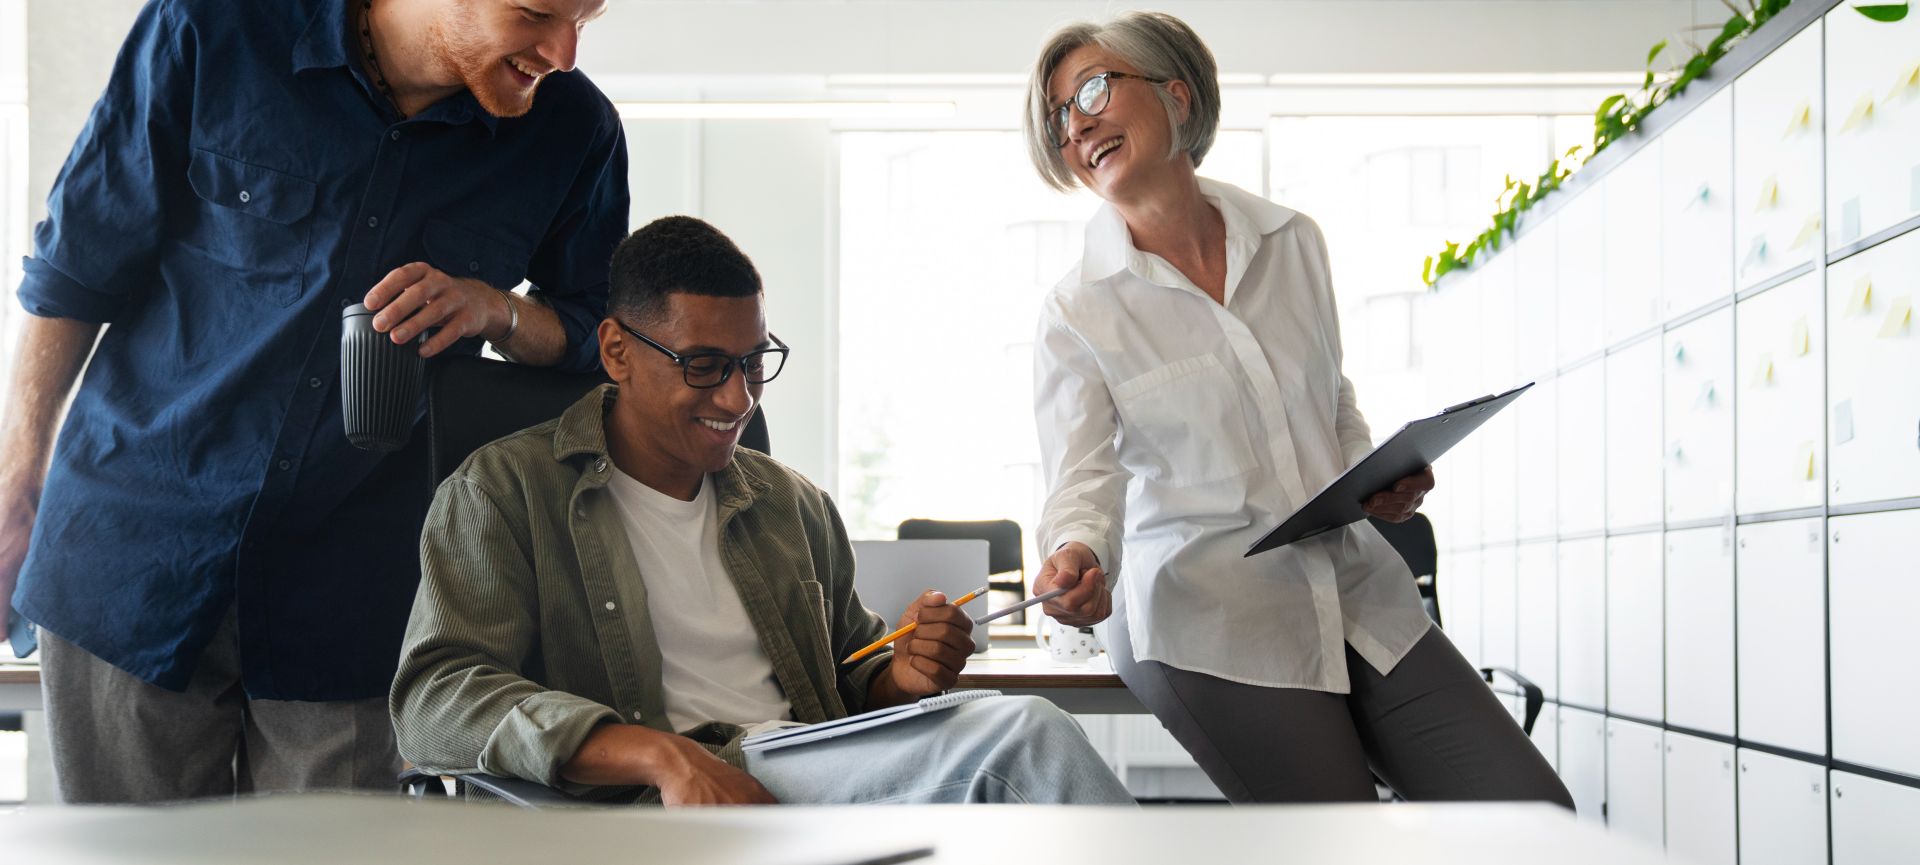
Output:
x=421 y=784
x=1534 y=697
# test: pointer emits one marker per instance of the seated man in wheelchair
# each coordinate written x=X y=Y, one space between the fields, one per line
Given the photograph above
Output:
x=610 y=601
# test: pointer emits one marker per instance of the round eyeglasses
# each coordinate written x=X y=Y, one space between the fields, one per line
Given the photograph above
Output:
x=707 y=369
x=1091 y=98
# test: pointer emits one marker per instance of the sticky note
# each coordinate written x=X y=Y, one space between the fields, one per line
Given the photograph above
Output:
x=1756 y=252
x=1801 y=117
x=1861 y=300
x=1849 y=220
x=1763 y=370
x=1679 y=354
x=1698 y=197
x=1705 y=399
x=1913 y=191
x=1909 y=77
x=1861 y=113
x=1803 y=465
x=1769 y=194
x=1899 y=315
x=1798 y=337
x=1808 y=231
x=1843 y=422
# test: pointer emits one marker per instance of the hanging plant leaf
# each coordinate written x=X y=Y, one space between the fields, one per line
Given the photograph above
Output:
x=1657 y=48
x=1885 y=13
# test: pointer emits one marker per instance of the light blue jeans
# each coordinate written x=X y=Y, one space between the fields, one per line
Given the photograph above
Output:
x=997 y=749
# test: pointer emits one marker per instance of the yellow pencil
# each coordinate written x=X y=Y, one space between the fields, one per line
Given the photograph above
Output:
x=908 y=629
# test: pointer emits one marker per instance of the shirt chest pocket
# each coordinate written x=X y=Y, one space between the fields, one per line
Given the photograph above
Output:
x=468 y=254
x=253 y=222
x=1189 y=414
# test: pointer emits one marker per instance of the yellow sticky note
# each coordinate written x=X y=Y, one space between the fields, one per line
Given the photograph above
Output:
x=1769 y=194
x=1861 y=113
x=1808 y=231
x=1803 y=464
x=1801 y=118
x=1862 y=299
x=1899 y=315
x=1799 y=339
x=1763 y=370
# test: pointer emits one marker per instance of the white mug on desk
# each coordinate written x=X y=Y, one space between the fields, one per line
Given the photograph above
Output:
x=1065 y=643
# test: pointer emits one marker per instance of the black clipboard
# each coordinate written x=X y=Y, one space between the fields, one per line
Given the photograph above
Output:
x=1416 y=446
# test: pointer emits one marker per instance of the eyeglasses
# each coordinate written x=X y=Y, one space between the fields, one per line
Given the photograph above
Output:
x=1091 y=99
x=712 y=369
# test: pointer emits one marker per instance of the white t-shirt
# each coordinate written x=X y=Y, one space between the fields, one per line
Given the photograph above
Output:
x=713 y=667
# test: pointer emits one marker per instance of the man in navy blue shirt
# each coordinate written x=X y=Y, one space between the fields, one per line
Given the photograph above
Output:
x=219 y=579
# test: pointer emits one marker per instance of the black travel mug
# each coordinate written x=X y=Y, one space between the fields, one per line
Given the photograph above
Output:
x=379 y=383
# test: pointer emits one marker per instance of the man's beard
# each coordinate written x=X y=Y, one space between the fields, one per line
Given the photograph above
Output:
x=481 y=75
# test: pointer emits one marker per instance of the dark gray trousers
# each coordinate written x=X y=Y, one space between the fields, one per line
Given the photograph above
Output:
x=116 y=738
x=1433 y=731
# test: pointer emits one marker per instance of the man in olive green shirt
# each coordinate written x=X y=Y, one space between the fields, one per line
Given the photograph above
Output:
x=611 y=600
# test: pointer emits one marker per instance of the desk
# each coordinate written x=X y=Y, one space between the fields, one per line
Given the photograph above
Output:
x=1086 y=688
x=295 y=829
x=19 y=688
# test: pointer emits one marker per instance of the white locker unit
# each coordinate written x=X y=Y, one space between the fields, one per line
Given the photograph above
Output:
x=1537 y=461
x=1633 y=436
x=1700 y=795
x=1581 y=285
x=1536 y=274
x=1777 y=161
x=1582 y=479
x=1696 y=207
x=1635 y=781
x=1498 y=369
x=1873 y=821
x=1635 y=635
x=1699 y=648
x=1873 y=357
x=1497 y=608
x=1454 y=505
x=1583 y=622
x=1499 y=314
x=1874 y=599
x=1783 y=810
x=1583 y=761
x=1780 y=438
x=1537 y=582
x=1698 y=418
x=1459 y=588
x=1499 y=472
x=1780 y=599
x=1546 y=734
x=1632 y=244
x=1872 y=123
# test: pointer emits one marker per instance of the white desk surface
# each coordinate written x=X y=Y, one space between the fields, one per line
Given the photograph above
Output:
x=340 y=828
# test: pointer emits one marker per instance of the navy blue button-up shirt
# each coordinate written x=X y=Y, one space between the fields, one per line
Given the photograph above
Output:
x=240 y=182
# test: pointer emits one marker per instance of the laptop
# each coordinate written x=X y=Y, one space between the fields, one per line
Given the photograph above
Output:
x=890 y=574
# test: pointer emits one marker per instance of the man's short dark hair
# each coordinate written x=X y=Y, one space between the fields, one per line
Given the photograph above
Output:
x=675 y=254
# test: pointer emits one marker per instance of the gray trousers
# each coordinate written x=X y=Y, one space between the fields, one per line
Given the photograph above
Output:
x=116 y=738
x=1433 y=731
x=999 y=749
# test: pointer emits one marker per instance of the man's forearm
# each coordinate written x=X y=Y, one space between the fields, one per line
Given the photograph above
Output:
x=51 y=354
x=624 y=755
x=538 y=340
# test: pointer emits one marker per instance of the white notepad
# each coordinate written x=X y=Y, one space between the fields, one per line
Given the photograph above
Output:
x=856 y=723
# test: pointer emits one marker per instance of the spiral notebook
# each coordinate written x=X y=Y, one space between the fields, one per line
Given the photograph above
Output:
x=856 y=723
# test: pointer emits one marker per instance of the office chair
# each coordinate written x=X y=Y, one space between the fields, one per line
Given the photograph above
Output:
x=472 y=401
x=1004 y=555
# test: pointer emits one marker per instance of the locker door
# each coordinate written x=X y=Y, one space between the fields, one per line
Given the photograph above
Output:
x=1783 y=810
x=1632 y=245
x=1546 y=734
x=1873 y=407
x=1536 y=267
x=1873 y=821
x=1635 y=637
x=1498 y=368
x=1497 y=607
x=1696 y=207
x=1635 y=782
x=1583 y=623
x=1873 y=131
x=1537 y=496
x=1581 y=305
x=1536 y=576
x=1633 y=436
x=1582 y=477
x=1700 y=629
x=1777 y=161
x=1499 y=463
x=1700 y=788
x=1699 y=388
x=1874 y=599
x=1459 y=588
x=1781 y=365
x=1780 y=593
x=1583 y=761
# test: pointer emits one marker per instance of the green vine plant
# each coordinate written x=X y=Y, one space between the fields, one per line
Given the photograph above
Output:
x=1617 y=117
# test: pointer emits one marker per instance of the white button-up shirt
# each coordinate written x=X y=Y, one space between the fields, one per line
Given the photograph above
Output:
x=1175 y=431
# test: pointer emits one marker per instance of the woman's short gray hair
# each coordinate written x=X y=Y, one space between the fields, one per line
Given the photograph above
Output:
x=1157 y=44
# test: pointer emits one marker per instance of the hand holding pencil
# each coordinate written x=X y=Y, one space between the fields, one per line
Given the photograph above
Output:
x=930 y=647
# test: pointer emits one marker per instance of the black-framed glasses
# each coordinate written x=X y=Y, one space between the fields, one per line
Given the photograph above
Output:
x=712 y=369
x=1091 y=98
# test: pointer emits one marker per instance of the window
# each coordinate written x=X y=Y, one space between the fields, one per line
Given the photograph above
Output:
x=14 y=199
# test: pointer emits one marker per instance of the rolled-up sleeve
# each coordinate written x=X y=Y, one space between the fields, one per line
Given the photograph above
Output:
x=96 y=250
x=459 y=701
x=570 y=271
x=1077 y=422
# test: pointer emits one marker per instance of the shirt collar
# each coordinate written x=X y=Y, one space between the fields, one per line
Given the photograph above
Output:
x=583 y=432
x=324 y=45
x=1109 y=249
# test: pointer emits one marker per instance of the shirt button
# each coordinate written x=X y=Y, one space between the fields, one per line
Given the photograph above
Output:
x=473 y=267
x=600 y=465
x=313 y=382
x=245 y=196
x=636 y=716
x=285 y=464
x=395 y=135
x=373 y=222
x=580 y=512
x=346 y=302
x=609 y=605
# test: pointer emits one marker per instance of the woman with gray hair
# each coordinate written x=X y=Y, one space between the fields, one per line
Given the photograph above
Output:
x=1189 y=395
